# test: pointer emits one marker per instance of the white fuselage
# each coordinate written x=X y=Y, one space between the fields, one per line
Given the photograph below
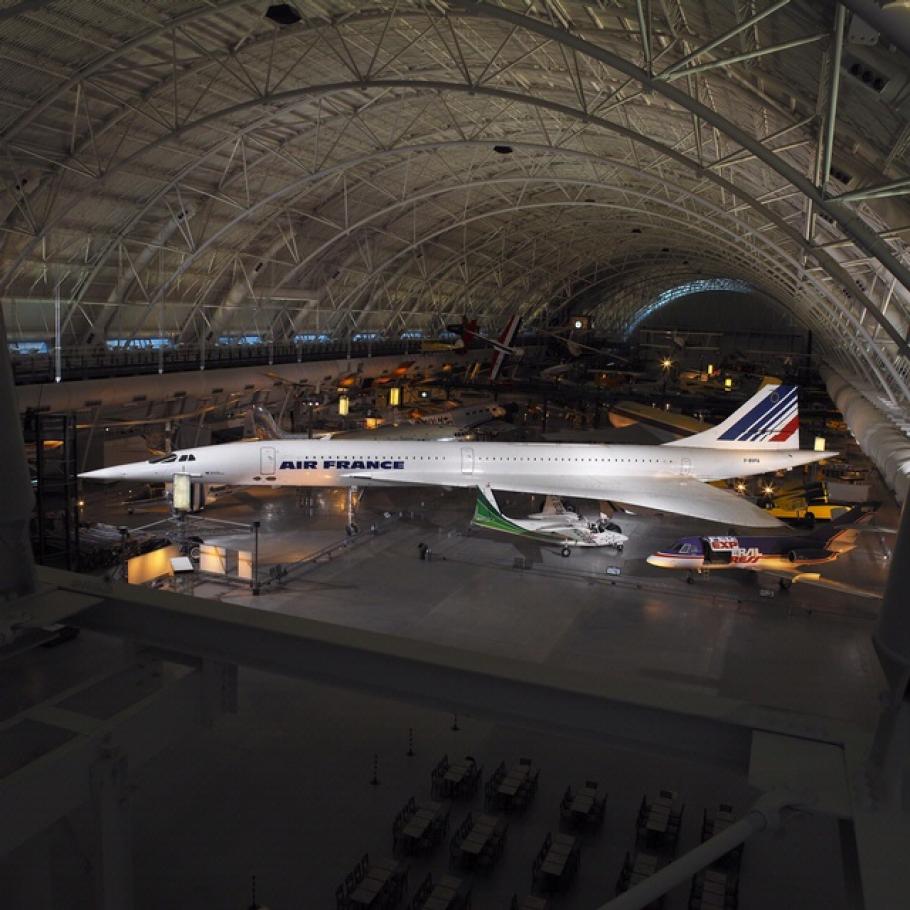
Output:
x=345 y=462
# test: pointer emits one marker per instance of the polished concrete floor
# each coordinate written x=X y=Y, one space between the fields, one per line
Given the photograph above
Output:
x=282 y=790
x=806 y=649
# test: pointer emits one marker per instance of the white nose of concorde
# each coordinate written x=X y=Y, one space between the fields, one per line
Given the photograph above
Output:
x=119 y=472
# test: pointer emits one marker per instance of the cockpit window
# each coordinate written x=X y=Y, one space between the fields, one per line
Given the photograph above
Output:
x=182 y=458
x=163 y=459
x=614 y=527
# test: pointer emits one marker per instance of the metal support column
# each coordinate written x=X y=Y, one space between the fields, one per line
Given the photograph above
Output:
x=889 y=759
x=833 y=92
x=254 y=581
x=17 y=569
x=110 y=801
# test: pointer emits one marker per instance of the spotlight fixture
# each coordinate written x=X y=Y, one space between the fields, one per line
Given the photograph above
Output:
x=282 y=14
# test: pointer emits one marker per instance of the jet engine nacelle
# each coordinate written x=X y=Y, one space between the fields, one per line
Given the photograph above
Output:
x=807 y=555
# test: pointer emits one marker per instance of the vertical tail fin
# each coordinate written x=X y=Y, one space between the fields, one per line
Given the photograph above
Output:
x=264 y=425
x=503 y=344
x=768 y=420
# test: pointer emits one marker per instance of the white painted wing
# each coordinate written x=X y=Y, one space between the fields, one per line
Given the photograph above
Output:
x=682 y=495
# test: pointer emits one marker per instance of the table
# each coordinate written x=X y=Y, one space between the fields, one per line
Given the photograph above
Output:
x=645 y=864
x=416 y=827
x=658 y=819
x=457 y=772
x=711 y=887
x=367 y=892
x=474 y=844
x=511 y=783
x=444 y=893
x=477 y=838
x=582 y=804
x=422 y=819
x=561 y=850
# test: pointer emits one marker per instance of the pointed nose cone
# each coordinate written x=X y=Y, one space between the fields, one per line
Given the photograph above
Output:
x=115 y=473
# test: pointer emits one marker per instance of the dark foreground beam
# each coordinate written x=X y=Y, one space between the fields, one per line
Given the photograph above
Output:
x=706 y=728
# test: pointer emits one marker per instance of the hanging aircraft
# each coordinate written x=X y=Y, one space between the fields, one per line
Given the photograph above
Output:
x=554 y=523
x=760 y=437
x=461 y=422
x=778 y=556
x=469 y=335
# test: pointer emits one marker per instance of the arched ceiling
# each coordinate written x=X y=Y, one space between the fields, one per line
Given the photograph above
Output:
x=196 y=169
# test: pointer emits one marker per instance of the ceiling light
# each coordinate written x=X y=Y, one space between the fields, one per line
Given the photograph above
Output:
x=282 y=14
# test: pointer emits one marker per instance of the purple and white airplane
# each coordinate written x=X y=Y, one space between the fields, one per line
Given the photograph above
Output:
x=778 y=555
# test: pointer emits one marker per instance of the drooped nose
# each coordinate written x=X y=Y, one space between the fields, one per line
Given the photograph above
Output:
x=115 y=473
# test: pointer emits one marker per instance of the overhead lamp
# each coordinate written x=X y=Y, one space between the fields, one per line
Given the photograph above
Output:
x=819 y=444
x=728 y=383
x=710 y=369
x=282 y=14
x=344 y=405
x=394 y=396
x=666 y=363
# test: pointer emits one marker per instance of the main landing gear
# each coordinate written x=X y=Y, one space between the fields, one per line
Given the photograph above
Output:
x=565 y=552
x=352 y=502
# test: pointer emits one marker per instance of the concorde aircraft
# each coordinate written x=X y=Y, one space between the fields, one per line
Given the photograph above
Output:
x=760 y=437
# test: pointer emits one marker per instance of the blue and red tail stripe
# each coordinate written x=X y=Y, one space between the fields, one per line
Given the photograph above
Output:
x=775 y=417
